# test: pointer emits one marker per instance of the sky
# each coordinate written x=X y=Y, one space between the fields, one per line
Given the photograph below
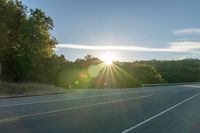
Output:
x=129 y=29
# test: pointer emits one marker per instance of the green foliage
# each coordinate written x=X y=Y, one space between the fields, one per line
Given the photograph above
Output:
x=187 y=70
x=146 y=74
x=27 y=54
x=25 y=40
x=90 y=72
x=13 y=14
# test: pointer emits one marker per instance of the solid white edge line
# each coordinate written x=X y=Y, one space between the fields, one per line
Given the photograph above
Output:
x=59 y=100
x=151 y=118
x=194 y=86
x=73 y=108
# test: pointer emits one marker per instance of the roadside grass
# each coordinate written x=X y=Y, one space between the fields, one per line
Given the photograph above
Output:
x=11 y=89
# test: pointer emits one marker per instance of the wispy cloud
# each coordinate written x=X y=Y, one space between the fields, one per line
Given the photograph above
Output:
x=122 y=48
x=194 y=31
x=182 y=46
x=185 y=45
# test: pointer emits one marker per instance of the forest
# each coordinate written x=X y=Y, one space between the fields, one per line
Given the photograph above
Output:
x=27 y=54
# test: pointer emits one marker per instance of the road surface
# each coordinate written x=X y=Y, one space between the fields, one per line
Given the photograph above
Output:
x=166 y=109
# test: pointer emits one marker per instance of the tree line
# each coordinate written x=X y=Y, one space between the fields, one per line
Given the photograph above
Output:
x=27 y=55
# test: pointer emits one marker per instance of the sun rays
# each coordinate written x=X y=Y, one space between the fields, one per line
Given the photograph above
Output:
x=108 y=74
x=108 y=58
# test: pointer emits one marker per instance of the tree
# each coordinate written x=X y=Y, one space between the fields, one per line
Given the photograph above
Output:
x=13 y=15
x=36 y=43
x=146 y=74
x=25 y=40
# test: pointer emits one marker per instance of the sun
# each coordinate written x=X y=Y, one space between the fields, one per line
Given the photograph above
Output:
x=108 y=58
x=108 y=61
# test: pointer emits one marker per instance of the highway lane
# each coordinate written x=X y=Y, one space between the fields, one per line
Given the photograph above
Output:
x=31 y=105
x=79 y=94
x=183 y=119
x=102 y=111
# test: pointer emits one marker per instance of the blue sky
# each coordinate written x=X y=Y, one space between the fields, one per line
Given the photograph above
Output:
x=136 y=29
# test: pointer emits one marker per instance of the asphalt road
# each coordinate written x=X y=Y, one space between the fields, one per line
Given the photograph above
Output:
x=166 y=109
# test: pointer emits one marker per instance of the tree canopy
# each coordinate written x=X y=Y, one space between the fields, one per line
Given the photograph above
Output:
x=25 y=39
x=27 y=55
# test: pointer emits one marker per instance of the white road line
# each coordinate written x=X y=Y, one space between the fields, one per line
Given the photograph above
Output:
x=194 y=86
x=59 y=100
x=73 y=108
x=157 y=115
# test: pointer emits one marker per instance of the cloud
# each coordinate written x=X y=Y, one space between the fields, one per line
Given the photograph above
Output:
x=111 y=47
x=193 y=31
x=182 y=46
